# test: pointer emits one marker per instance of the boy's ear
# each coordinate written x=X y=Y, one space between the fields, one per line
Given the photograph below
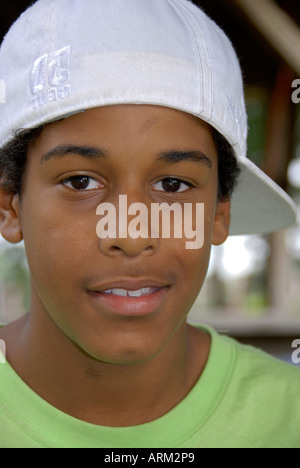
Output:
x=221 y=223
x=10 y=227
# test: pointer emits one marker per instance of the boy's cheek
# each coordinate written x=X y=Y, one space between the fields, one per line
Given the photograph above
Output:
x=191 y=264
x=56 y=240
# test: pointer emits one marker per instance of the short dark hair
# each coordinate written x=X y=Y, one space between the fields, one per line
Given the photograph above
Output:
x=13 y=157
x=228 y=167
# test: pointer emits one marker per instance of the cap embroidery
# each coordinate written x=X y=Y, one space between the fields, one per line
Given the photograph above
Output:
x=236 y=111
x=50 y=76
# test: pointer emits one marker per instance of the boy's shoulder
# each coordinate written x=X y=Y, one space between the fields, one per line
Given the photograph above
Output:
x=249 y=374
x=256 y=360
x=253 y=372
x=250 y=357
x=255 y=393
x=265 y=380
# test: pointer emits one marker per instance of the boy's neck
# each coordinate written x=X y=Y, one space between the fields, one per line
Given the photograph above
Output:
x=113 y=395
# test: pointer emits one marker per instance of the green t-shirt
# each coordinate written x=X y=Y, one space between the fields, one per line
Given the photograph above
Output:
x=244 y=398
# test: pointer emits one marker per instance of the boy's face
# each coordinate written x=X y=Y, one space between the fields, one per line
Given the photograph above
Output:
x=124 y=150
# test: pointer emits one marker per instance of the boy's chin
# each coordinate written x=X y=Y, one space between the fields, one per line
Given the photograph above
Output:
x=130 y=353
x=122 y=357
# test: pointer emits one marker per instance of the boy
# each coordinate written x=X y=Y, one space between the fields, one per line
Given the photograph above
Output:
x=142 y=99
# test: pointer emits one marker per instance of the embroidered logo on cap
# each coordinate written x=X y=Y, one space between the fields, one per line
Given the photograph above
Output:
x=50 y=76
x=237 y=111
x=2 y=92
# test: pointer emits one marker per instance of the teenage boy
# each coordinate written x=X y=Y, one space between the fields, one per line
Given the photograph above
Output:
x=144 y=99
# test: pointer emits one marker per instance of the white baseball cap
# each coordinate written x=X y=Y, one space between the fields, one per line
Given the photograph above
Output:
x=65 y=56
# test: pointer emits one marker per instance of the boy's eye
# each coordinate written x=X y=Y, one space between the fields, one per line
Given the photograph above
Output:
x=172 y=185
x=81 y=183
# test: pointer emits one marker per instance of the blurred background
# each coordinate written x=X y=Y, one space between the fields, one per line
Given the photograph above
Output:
x=252 y=291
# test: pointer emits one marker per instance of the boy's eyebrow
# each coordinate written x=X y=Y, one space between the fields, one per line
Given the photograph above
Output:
x=193 y=156
x=84 y=151
x=92 y=152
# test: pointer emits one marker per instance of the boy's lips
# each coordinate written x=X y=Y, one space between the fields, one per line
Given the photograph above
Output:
x=131 y=297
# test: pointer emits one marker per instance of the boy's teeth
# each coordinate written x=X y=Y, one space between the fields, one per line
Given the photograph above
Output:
x=124 y=292
x=119 y=292
x=139 y=292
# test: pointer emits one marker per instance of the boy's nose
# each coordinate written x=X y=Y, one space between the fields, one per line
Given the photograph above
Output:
x=132 y=236
x=128 y=246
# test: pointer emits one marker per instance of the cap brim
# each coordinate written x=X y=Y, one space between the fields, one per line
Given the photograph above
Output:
x=258 y=205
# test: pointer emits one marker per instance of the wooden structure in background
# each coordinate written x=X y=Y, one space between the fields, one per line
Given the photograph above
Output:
x=278 y=28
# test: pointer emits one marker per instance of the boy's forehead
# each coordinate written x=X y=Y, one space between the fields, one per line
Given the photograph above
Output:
x=139 y=135
x=120 y=126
